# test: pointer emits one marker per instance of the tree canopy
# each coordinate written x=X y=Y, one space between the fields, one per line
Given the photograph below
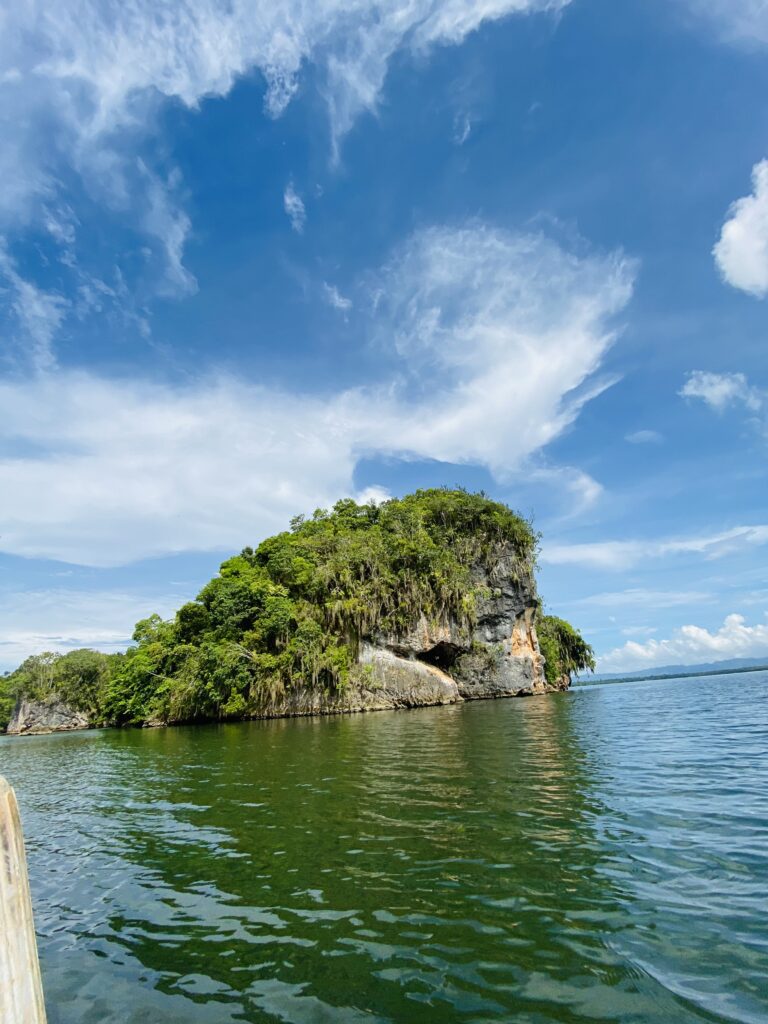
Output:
x=292 y=612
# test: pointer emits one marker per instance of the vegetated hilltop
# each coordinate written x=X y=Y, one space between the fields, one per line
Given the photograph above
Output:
x=427 y=599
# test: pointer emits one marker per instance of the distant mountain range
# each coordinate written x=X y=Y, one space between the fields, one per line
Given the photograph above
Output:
x=731 y=665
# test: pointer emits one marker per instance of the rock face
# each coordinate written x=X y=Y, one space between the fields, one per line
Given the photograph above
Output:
x=35 y=717
x=499 y=656
x=444 y=662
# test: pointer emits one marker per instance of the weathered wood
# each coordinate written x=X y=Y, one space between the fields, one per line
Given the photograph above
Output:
x=21 y=990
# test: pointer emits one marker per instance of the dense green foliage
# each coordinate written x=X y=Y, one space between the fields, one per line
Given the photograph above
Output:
x=79 y=678
x=292 y=613
x=564 y=649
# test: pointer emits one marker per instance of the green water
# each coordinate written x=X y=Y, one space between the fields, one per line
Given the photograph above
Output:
x=594 y=856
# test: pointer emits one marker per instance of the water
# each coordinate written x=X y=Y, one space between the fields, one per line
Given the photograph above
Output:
x=594 y=856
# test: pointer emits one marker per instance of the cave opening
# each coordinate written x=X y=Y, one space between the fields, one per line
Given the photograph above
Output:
x=442 y=656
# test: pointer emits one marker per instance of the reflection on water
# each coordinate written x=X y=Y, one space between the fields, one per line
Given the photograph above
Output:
x=599 y=855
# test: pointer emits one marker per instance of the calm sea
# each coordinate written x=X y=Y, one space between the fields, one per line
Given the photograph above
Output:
x=600 y=855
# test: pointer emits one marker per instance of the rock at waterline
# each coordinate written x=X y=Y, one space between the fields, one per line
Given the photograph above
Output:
x=35 y=717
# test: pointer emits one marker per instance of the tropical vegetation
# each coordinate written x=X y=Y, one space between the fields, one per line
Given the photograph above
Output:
x=292 y=612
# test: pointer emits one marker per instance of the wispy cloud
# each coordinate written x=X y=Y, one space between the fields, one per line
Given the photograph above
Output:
x=166 y=222
x=462 y=129
x=624 y=554
x=735 y=21
x=581 y=489
x=644 y=437
x=335 y=299
x=637 y=597
x=741 y=252
x=64 y=619
x=690 y=645
x=294 y=207
x=480 y=313
x=96 y=72
x=38 y=313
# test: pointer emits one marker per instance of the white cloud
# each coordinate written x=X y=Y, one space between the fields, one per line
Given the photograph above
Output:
x=376 y=494
x=691 y=645
x=635 y=597
x=624 y=554
x=38 y=313
x=741 y=253
x=719 y=390
x=335 y=299
x=512 y=326
x=294 y=207
x=80 y=80
x=171 y=227
x=462 y=129
x=644 y=437
x=60 y=620
x=582 y=490
x=743 y=21
x=497 y=337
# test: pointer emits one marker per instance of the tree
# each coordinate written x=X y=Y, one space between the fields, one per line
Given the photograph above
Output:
x=565 y=650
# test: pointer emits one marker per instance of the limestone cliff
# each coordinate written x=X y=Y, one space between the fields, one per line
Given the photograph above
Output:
x=444 y=662
x=35 y=717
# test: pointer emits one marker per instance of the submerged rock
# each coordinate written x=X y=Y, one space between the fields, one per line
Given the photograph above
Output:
x=35 y=717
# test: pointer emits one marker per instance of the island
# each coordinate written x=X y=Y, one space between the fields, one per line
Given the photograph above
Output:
x=423 y=600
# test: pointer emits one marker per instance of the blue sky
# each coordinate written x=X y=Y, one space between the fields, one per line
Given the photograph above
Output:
x=254 y=257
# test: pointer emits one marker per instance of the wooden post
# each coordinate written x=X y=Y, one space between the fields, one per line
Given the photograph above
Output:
x=21 y=990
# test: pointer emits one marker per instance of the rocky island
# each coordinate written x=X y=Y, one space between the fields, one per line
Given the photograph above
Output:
x=429 y=599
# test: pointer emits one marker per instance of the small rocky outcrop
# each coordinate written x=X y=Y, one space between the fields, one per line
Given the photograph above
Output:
x=36 y=717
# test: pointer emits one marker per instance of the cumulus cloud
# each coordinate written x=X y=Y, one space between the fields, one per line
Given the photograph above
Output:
x=741 y=252
x=376 y=494
x=721 y=390
x=690 y=645
x=496 y=341
x=617 y=555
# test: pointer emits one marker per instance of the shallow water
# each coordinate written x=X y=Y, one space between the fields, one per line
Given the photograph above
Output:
x=594 y=856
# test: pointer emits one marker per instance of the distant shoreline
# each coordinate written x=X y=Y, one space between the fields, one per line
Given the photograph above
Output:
x=673 y=675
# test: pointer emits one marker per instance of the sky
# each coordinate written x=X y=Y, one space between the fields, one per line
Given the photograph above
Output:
x=256 y=256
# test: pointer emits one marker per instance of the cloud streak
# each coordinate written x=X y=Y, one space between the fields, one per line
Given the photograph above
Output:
x=66 y=619
x=619 y=555
x=495 y=339
x=38 y=314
